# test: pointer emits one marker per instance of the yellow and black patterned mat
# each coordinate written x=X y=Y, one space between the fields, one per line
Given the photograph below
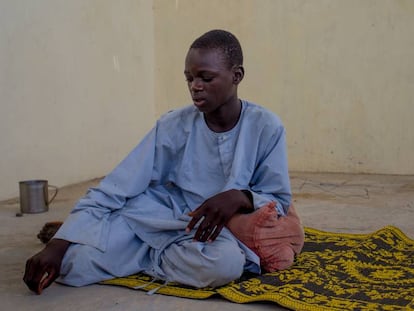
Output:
x=335 y=271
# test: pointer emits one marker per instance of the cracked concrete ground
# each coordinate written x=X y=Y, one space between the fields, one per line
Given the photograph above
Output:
x=331 y=202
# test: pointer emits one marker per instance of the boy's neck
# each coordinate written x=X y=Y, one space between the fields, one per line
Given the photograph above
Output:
x=225 y=118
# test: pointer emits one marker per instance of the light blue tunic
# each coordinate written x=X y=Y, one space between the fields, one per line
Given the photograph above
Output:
x=177 y=166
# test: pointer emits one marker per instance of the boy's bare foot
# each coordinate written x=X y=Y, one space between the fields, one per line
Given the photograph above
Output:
x=48 y=231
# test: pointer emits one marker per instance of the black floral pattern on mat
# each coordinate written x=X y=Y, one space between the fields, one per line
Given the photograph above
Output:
x=335 y=271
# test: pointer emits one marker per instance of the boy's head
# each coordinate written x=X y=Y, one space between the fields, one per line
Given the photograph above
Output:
x=224 y=41
x=213 y=71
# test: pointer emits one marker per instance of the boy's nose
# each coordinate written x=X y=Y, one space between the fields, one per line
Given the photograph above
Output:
x=196 y=85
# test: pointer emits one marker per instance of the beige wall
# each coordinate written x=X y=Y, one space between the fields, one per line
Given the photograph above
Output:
x=76 y=87
x=82 y=81
x=339 y=73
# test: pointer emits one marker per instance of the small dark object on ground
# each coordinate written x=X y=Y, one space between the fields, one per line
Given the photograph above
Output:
x=48 y=231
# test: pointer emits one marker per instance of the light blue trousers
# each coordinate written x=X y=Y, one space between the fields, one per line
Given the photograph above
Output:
x=187 y=262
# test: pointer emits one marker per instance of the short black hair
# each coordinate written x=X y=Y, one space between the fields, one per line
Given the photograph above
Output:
x=224 y=41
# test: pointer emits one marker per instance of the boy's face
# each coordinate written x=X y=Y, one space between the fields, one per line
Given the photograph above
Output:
x=211 y=83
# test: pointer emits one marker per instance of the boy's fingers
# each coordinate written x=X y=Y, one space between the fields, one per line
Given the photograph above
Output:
x=192 y=223
x=32 y=277
x=202 y=234
x=216 y=232
x=47 y=279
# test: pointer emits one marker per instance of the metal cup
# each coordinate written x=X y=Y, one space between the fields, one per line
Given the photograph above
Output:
x=34 y=196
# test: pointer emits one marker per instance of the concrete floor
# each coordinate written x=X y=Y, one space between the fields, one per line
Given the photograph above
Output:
x=333 y=202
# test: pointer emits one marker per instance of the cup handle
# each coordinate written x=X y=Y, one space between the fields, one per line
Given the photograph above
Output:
x=54 y=195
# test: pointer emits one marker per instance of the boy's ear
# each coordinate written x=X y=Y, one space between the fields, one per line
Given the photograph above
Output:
x=238 y=74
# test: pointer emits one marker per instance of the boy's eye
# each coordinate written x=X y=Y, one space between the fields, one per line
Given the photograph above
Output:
x=204 y=79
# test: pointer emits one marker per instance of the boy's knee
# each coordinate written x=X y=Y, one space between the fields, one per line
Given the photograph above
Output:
x=228 y=266
x=204 y=264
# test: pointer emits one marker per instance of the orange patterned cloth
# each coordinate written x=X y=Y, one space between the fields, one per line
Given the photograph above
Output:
x=276 y=240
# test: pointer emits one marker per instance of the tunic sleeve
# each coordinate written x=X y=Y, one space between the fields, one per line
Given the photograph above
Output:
x=260 y=159
x=270 y=180
x=88 y=223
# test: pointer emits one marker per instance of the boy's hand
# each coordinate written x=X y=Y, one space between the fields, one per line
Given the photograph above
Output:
x=215 y=212
x=44 y=267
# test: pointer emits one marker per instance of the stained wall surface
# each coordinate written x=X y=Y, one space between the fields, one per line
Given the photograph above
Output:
x=339 y=73
x=81 y=82
x=76 y=87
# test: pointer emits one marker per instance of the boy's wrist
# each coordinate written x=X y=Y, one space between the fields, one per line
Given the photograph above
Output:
x=250 y=207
